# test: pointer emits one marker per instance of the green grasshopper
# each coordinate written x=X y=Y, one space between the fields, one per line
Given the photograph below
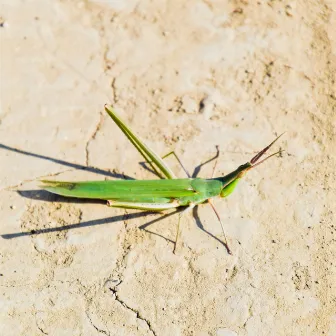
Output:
x=157 y=195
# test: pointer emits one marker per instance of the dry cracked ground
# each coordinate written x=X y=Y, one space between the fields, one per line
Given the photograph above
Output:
x=187 y=75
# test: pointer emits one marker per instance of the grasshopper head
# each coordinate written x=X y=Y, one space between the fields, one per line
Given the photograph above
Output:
x=233 y=178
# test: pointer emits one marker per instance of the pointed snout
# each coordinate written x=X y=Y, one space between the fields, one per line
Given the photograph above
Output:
x=255 y=159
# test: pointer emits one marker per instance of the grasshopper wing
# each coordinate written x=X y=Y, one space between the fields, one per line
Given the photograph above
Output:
x=135 y=190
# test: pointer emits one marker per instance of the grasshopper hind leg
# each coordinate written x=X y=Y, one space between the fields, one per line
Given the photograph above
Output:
x=143 y=206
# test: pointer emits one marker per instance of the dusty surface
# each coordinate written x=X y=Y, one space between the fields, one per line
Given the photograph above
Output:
x=186 y=75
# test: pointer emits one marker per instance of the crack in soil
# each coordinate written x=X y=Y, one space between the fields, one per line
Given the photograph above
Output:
x=37 y=323
x=101 y=331
x=92 y=137
x=42 y=331
x=117 y=273
x=118 y=276
x=136 y=312
x=114 y=91
x=250 y=315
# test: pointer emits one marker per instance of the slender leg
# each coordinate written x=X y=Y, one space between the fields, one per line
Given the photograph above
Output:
x=178 y=160
x=190 y=207
x=176 y=157
x=221 y=223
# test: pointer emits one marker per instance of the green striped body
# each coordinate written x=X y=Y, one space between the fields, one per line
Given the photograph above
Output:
x=140 y=191
x=177 y=192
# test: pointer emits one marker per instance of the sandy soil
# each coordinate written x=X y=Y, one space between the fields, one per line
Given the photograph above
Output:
x=186 y=75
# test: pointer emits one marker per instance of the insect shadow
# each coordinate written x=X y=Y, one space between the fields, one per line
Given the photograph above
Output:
x=67 y=163
x=45 y=196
